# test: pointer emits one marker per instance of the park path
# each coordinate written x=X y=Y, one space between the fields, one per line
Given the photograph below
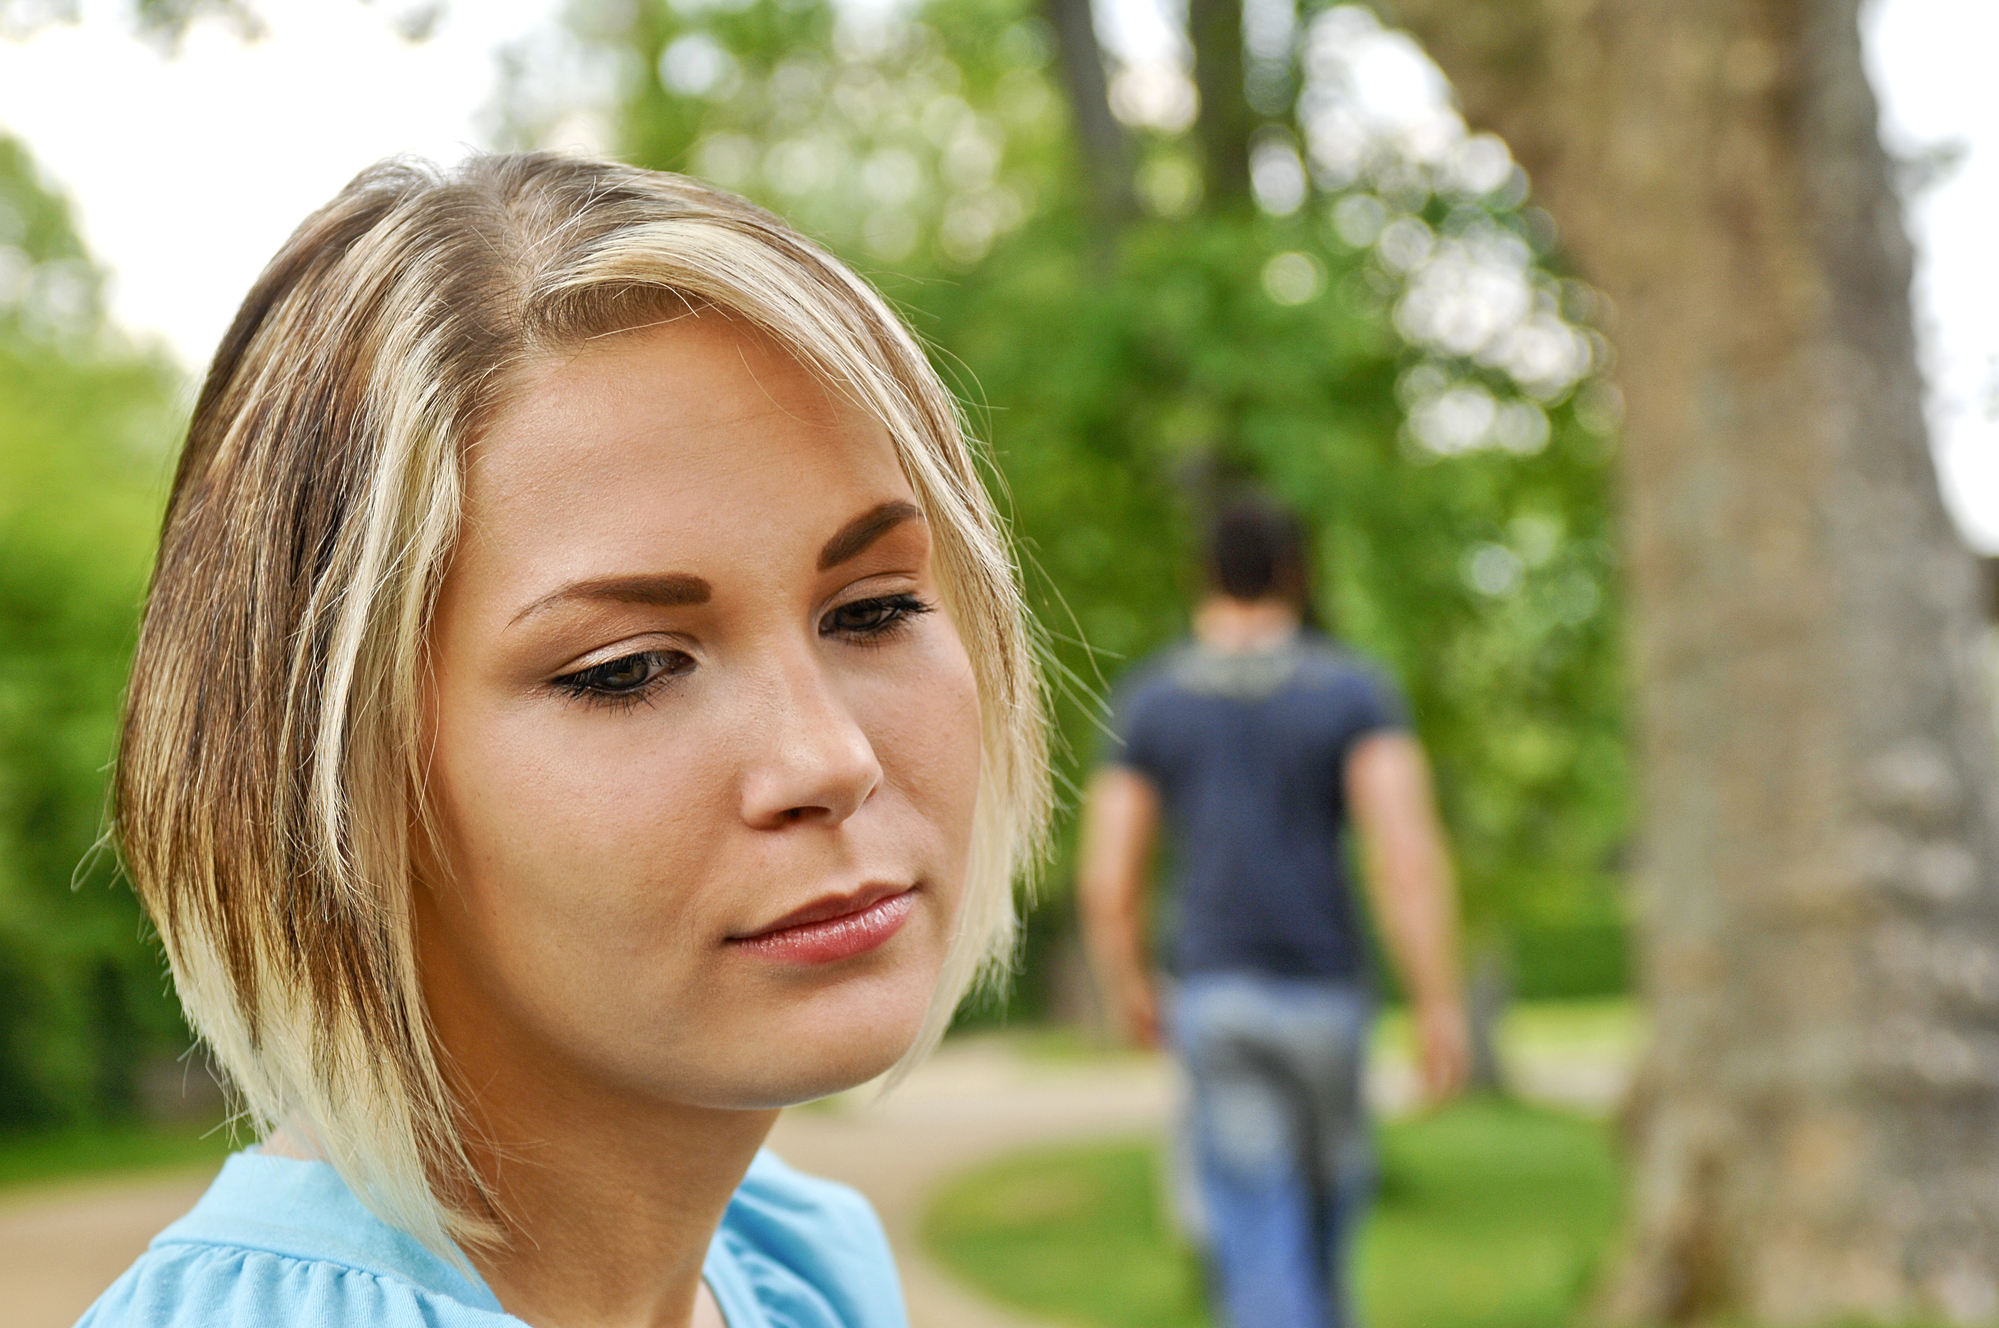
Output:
x=977 y=1098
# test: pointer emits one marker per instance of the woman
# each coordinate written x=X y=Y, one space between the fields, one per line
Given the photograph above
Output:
x=583 y=706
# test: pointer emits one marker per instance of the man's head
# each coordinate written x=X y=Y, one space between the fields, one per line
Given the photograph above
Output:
x=1256 y=551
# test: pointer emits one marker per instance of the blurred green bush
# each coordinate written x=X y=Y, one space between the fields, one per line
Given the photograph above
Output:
x=1581 y=960
x=86 y=423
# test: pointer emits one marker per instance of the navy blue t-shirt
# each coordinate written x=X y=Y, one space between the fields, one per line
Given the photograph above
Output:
x=1248 y=753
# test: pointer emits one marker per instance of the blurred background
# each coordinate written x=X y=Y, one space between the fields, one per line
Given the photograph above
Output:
x=1150 y=283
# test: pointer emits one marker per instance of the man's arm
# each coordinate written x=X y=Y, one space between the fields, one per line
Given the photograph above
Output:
x=1120 y=823
x=1409 y=882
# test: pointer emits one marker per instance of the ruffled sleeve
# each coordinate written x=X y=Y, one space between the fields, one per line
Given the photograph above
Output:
x=206 y=1286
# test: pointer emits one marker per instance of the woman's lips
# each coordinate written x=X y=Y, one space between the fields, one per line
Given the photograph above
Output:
x=833 y=931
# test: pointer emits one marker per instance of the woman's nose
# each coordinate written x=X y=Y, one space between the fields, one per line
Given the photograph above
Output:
x=812 y=761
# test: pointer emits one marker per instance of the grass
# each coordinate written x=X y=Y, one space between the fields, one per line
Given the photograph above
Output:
x=1077 y=1234
x=1612 y=1026
x=39 y=1158
x=1607 y=1029
x=1491 y=1215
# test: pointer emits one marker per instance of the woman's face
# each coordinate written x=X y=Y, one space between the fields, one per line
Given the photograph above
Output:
x=704 y=741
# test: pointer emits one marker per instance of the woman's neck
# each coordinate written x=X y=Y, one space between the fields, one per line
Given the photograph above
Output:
x=611 y=1214
x=609 y=1193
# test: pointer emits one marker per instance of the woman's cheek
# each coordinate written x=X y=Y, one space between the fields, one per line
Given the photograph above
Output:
x=576 y=837
x=940 y=736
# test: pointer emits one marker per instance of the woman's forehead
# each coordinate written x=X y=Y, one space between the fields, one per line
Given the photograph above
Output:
x=703 y=392
x=674 y=445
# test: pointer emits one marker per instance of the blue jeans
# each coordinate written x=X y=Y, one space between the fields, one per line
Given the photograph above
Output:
x=1279 y=1138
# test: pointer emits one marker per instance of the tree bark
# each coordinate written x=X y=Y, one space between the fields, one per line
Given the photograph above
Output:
x=1816 y=1132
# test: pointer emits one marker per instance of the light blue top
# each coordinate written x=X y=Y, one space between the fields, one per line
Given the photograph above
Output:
x=277 y=1241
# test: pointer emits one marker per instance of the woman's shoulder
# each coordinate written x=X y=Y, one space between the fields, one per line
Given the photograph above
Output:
x=282 y=1241
x=276 y=1241
x=213 y=1286
x=807 y=1252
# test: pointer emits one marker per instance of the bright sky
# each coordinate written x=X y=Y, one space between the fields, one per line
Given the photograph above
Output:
x=188 y=173
x=1931 y=64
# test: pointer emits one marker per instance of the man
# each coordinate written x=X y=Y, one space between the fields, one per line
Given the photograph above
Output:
x=1255 y=745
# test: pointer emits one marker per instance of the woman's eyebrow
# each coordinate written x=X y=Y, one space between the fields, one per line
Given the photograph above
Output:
x=665 y=590
x=673 y=589
x=865 y=529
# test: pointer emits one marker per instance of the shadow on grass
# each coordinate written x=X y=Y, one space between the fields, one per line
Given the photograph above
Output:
x=1490 y=1215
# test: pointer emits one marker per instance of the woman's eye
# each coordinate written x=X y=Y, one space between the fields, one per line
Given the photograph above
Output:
x=872 y=619
x=626 y=677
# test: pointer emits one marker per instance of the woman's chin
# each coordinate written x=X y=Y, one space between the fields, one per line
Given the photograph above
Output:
x=816 y=1062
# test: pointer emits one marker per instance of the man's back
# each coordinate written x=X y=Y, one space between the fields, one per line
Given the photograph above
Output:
x=1247 y=752
x=1251 y=749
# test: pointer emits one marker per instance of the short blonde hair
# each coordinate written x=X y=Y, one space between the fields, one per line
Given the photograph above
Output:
x=268 y=779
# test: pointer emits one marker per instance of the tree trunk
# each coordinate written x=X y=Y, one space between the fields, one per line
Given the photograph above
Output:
x=1488 y=991
x=1224 y=122
x=1105 y=146
x=1817 y=1129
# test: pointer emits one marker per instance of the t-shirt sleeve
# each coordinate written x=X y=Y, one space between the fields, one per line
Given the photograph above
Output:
x=1133 y=737
x=810 y=1253
x=1376 y=703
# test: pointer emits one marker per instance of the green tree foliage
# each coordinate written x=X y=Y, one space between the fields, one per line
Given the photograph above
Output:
x=84 y=423
x=1128 y=370
x=162 y=22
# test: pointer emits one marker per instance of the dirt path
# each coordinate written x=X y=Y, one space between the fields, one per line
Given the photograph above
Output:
x=977 y=1098
x=60 y=1247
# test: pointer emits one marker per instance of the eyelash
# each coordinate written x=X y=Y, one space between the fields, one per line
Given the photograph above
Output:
x=887 y=616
